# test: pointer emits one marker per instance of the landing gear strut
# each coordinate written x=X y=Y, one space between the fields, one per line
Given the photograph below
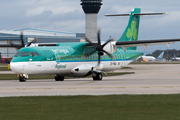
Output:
x=97 y=76
x=59 y=78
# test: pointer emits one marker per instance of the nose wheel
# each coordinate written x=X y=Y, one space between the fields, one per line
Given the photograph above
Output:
x=22 y=79
x=59 y=78
x=97 y=76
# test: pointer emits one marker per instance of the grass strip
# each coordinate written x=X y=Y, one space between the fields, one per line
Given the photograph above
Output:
x=113 y=107
x=126 y=68
x=4 y=69
x=32 y=77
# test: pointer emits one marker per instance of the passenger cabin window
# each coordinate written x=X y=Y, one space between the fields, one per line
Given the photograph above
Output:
x=24 y=54
x=17 y=54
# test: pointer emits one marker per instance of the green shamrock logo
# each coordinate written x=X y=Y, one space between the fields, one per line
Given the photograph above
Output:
x=132 y=33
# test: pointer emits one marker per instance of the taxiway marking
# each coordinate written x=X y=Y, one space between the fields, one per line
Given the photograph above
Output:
x=145 y=87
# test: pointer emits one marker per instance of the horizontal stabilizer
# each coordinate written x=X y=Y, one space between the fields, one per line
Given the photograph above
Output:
x=118 y=15
x=141 y=14
x=149 y=13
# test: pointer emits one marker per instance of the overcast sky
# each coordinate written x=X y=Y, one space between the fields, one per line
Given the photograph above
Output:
x=67 y=15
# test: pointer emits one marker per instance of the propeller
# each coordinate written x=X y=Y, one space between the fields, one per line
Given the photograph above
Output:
x=22 y=42
x=17 y=45
x=99 y=47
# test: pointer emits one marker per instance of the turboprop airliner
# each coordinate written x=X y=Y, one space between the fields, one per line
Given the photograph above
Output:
x=82 y=59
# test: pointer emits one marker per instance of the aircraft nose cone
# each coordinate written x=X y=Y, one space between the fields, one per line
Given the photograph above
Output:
x=16 y=67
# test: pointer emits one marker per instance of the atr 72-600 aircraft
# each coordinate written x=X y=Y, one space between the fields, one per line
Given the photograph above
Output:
x=82 y=59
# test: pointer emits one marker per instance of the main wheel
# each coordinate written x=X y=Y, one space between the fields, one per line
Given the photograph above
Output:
x=59 y=77
x=22 y=79
x=97 y=76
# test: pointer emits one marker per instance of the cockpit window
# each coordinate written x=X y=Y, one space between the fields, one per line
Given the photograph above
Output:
x=32 y=54
x=23 y=54
x=17 y=54
x=37 y=53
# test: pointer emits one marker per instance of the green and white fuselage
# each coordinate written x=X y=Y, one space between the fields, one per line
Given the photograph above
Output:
x=68 y=60
x=73 y=59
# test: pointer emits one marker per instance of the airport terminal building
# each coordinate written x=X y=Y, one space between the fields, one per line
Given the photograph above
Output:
x=44 y=36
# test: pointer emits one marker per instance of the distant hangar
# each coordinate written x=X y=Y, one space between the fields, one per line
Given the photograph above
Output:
x=44 y=36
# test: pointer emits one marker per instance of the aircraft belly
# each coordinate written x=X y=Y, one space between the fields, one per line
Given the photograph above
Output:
x=64 y=68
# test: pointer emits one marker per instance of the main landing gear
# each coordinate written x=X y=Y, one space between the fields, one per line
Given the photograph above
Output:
x=97 y=76
x=59 y=77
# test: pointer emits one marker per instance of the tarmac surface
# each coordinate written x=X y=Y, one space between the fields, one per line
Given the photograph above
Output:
x=148 y=79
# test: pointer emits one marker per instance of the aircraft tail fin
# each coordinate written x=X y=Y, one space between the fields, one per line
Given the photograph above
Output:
x=132 y=29
x=161 y=55
x=144 y=54
x=173 y=55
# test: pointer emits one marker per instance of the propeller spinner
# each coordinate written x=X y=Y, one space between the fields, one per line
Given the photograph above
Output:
x=99 y=47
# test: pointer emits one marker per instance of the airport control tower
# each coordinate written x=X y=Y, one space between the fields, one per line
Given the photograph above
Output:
x=91 y=8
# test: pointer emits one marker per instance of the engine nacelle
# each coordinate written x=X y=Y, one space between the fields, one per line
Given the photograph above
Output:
x=85 y=68
x=110 y=47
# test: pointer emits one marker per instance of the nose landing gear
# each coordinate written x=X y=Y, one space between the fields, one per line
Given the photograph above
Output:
x=22 y=77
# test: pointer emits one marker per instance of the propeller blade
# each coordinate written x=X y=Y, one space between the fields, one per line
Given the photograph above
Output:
x=108 y=54
x=99 y=39
x=107 y=42
x=99 y=59
x=29 y=44
x=22 y=41
x=87 y=39
x=13 y=45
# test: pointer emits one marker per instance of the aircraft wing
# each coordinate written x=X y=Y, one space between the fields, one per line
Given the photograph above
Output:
x=145 y=43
